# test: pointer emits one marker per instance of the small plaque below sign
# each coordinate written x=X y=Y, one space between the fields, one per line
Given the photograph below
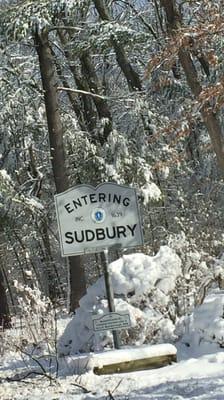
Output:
x=112 y=321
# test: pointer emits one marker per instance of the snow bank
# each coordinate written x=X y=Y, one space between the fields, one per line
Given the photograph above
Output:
x=139 y=282
x=203 y=330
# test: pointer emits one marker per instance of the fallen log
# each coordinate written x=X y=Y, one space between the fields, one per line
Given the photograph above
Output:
x=134 y=359
x=136 y=365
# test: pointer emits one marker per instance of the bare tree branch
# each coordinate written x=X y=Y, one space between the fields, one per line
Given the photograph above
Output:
x=66 y=89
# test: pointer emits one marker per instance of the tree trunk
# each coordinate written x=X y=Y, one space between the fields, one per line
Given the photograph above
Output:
x=209 y=117
x=54 y=285
x=5 y=320
x=73 y=98
x=55 y=129
x=87 y=105
x=101 y=105
x=89 y=82
x=53 y=281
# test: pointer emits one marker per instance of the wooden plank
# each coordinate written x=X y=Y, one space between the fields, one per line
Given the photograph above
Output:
x=136 y=365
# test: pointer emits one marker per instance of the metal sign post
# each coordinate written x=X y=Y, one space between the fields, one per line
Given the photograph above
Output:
x=109 y=292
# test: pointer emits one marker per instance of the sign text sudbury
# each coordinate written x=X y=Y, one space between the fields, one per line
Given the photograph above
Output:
x=93 y=219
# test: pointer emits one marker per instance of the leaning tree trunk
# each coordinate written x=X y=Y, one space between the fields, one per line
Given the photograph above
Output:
x=55 y=129
x=185 y=57
x=132 y=77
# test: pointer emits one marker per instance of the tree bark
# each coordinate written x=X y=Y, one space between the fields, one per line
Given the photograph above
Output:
x=210 y=118
x=55 y=129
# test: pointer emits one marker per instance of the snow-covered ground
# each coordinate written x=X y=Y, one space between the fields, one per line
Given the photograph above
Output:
x=198 y=338
x=193 y=378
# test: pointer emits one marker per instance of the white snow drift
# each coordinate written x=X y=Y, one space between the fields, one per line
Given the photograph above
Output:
x=134 y=277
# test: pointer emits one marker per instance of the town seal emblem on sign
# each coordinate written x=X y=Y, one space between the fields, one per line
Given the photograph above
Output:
x=98 y=215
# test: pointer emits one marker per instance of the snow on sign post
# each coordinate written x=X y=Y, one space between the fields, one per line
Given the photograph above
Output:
x=98 y=219
x=94 y=219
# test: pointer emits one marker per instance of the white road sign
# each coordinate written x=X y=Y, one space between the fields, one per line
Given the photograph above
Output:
x=93 y=219
x=113 y=321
